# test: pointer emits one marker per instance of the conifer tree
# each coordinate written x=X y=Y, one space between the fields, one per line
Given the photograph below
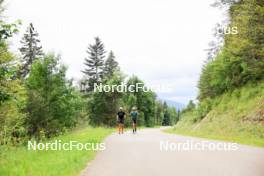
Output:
x=30 y=50
x=166 y=116
x=94 y=63
x=111 y=65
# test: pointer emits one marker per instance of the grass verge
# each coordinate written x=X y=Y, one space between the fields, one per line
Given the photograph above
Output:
x=236 y=116
x=18 y=161
x=258 y=142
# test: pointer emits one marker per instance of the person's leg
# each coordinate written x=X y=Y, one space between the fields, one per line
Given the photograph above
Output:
x=119 y=128
x=122 y=128
x=133 y=127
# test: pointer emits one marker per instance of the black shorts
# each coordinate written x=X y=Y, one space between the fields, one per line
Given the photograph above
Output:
x=121 y=121
x=134 y=121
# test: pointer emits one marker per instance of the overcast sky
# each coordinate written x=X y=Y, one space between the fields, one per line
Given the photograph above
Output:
x=161 y=41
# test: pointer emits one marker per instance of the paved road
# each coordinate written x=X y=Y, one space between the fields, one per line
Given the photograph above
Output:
x=140 y=155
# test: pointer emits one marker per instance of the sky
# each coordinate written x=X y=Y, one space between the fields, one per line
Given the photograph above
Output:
x=163 y=42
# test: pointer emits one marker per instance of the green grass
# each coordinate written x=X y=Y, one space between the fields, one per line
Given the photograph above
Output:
x=236 y=116
x=18 y=161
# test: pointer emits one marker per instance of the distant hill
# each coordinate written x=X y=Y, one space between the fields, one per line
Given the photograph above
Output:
x=177 y=105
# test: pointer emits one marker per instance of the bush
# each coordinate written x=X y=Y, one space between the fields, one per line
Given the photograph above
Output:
x=52 y=103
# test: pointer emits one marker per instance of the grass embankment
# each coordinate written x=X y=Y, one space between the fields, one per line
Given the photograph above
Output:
x=236 y=116
x=22 y=162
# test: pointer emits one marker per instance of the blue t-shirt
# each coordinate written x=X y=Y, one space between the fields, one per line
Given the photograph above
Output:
x=134 y=114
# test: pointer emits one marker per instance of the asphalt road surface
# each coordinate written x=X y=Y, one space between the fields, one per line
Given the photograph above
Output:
x=152 y=152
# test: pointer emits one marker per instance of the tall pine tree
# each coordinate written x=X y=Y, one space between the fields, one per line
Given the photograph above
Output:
x=111 y=65
x=166 y=117
x=30 y=50
x=94 y=63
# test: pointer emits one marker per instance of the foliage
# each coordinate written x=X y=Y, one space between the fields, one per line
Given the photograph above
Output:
x=143 y=100
x=94 y=63
x=7 y=30
x=231 y=85
x=241 y=59
x=166 y=118
x=52 y=102
x=236 y=116
x=102 y=106
x=158 y=112
x=174 y=116
x=30 y=50
x=110 y=66
x=11 y=91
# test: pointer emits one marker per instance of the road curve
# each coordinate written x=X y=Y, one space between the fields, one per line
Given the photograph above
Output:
x=141 y=155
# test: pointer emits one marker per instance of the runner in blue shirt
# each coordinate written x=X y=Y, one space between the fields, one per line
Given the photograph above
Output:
x=134 y=115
